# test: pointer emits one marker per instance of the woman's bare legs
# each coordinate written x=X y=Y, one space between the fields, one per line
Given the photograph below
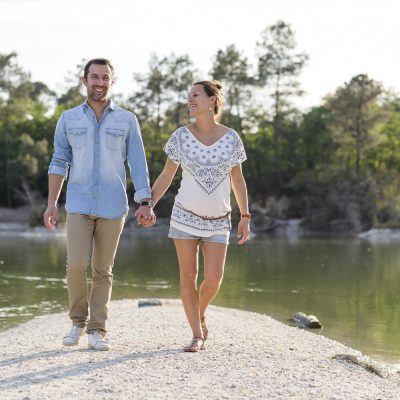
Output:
x=214 y=262
x=188 y=251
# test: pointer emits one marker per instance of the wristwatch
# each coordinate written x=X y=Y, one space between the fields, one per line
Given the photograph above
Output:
x=148 y=203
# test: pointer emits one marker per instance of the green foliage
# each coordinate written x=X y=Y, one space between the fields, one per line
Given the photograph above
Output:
x=316 y=146
x=74 y=92
x=354 y=115
x=335 y=201
x=23 y=132
x=232 y=69
x=278 y=68
x=338 y=163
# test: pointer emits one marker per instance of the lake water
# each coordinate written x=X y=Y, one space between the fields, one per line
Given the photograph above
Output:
x=351 y=285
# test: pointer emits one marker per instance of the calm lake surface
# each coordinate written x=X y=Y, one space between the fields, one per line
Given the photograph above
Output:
x=351 y=285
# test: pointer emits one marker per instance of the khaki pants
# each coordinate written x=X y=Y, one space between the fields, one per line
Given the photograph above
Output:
x=86 y=233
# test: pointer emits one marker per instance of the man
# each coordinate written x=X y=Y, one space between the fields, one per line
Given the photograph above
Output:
x=92 y=141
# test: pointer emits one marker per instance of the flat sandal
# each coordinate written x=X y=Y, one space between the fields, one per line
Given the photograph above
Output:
x=196 y=344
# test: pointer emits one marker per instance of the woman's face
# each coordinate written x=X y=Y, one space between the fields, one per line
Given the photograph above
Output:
x=198 y=101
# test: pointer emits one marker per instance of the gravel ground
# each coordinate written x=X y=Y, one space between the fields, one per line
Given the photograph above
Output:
x=247 y=355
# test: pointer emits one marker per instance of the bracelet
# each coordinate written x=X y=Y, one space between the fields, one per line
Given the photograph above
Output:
x=246 y=215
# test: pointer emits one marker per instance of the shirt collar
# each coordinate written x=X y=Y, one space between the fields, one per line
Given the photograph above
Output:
x=111 y=105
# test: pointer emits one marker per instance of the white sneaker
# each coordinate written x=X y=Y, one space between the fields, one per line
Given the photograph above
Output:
x=72 y=338
x=97 y=342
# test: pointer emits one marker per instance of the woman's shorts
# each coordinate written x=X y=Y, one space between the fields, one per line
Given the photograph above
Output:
x=178 y=234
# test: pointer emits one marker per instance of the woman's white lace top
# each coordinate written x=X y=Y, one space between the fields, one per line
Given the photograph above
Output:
x=205 y=185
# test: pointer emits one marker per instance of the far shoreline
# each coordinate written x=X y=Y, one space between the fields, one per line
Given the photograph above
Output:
x=162 y=225
x=17 y=221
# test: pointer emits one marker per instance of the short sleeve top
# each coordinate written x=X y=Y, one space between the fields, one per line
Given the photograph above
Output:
x=205 y=186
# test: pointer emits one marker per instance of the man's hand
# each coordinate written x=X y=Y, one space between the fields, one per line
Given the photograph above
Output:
x=50 y=217
x=145 y=216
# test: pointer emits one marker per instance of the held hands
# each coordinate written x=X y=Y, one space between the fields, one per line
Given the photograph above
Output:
x=145 y=216
x=50 y=217
x=243 y=231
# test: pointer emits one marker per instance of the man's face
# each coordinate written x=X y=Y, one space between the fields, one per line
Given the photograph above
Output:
x=98 y=82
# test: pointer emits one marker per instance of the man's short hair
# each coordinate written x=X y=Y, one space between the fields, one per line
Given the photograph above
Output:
x=99 y=61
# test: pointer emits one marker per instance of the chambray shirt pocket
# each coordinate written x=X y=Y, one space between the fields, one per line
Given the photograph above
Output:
x=77 y=137
x=114 y=138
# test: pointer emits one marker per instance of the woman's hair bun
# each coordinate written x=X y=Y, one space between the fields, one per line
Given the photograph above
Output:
x=217 y=84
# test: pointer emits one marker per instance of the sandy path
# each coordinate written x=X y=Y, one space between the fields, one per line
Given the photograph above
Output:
x=248 y=355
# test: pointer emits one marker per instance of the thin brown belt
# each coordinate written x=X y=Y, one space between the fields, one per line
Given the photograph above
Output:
x=205 y=218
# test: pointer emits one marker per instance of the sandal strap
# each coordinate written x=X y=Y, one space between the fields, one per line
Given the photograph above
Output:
x=196 y=344
x=204 y=327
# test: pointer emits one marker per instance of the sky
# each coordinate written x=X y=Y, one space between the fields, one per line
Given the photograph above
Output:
x=343 y=38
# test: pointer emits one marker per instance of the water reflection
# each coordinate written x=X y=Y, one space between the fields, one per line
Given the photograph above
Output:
x=351 y=285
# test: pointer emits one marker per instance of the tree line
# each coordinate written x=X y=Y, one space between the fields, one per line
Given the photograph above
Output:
x=335 y=166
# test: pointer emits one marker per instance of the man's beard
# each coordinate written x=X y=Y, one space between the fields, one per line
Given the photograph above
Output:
x=98 y=97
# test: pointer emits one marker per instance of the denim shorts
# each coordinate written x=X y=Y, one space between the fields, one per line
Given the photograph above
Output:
x=178 y=234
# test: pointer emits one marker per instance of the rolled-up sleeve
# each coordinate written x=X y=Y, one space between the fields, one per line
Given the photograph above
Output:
x=137 y=162
x=62 y=155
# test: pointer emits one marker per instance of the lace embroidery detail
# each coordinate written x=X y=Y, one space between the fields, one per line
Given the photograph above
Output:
x=186 y=218
x=172 y=148
x=209 y=165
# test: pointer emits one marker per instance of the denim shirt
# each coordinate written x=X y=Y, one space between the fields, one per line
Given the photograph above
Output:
x=94 y=154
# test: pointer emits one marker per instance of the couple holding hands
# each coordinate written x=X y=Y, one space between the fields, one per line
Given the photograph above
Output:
x=91 y=143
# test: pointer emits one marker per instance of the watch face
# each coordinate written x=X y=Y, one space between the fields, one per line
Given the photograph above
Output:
x=147 y=203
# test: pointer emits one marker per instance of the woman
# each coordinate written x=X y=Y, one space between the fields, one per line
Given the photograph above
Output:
x=210 y=155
